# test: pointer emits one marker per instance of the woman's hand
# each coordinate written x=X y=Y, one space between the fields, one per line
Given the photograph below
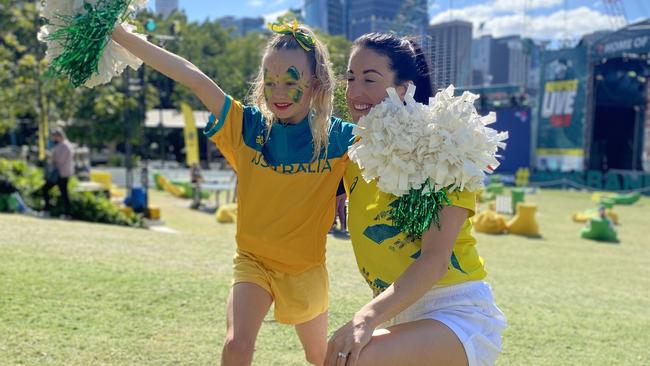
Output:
x=346 y=343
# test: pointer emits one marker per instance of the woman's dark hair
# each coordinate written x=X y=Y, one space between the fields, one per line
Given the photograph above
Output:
x=407 y=60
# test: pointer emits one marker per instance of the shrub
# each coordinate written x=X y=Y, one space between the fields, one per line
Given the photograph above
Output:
x=84 y=206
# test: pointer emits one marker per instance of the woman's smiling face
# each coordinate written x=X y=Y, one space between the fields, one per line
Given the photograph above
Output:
x=368 y=76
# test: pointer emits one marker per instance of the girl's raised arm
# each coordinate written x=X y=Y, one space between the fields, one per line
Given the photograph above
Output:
x=174 y=67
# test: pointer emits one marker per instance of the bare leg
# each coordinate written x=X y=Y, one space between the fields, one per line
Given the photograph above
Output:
x=247 y=305
x=313 y=336
x=412 y=343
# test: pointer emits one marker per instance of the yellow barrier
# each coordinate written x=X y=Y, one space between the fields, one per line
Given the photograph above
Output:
x=101 y=177
x=154 y=213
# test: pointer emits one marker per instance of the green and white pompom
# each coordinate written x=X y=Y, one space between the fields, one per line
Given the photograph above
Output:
x=78 y=38
x=423 y=153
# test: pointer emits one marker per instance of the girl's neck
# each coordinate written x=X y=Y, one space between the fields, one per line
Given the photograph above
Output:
x=292 y=120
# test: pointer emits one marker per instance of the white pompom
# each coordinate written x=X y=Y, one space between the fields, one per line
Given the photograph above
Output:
x=404 y=144
x=114 y=59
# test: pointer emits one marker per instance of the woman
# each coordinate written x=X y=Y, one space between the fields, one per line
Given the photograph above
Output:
x=62 y=160
x=431 y=305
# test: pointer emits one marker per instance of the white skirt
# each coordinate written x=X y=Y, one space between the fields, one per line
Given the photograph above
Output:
x=468 y=309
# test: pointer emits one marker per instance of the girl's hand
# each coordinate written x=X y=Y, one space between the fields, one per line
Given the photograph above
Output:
x=345 y=345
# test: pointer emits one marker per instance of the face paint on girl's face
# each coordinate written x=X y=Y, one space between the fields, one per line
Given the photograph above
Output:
x=293 y=77
x=269 y=83
x=287 y=84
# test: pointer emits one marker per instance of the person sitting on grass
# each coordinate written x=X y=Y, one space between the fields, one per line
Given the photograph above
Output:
x=8 y=188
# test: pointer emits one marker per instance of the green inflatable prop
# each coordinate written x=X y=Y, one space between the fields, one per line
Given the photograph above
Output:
x=599 y=229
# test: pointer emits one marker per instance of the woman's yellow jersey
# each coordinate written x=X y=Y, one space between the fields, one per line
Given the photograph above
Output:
x=383 y=252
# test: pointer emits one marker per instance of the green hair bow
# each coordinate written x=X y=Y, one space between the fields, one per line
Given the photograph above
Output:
x=304 y=40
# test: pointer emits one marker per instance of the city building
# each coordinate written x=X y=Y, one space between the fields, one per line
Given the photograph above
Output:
x=166 y=7
x=449 y=47
x=502 y=61
x=367 y=16
x=327 y=15
x=241 y=26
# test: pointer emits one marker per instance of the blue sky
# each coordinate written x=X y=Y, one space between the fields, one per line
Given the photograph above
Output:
x=543 y=19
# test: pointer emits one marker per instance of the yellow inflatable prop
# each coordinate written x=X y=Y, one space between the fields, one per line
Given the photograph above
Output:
x=583 y=217
x=226 y=213
x=105 y=179
x=169 y=187
x=490 y=222
x=524 y=222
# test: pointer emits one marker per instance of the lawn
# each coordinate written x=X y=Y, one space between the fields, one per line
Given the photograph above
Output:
x=73 y=293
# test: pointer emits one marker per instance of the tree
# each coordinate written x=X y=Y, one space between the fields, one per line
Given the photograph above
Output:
x=339 y=50
x=96 y=117
x=290 y=15
x=26 y=91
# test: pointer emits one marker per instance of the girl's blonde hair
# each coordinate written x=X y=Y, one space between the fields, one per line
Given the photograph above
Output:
x=321 y=104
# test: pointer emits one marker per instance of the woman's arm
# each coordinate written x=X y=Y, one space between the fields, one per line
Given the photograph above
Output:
x=416 y=280
x=423 y=274
x=175 y=67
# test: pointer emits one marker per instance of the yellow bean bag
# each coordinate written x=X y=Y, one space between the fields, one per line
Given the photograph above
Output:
x=161 y=180
x=490 y=222
x=116 y=192
x=170 y=187
x=612 y=216
x=227 y=213
x=580 y=217
x=101 y=177
x=524 y=222
x=583 y=217
x=174 y=190
x=126 y=210
x=597 y=196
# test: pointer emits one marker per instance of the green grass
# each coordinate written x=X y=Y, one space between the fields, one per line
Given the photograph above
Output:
x=73 y=293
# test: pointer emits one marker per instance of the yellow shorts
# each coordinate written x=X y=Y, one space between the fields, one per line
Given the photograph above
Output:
x=298 y=298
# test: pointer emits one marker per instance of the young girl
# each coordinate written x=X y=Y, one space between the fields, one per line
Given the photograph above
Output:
x=289 y=155
x=431 y=305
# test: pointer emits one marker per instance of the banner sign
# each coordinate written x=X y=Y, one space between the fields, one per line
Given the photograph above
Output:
x=560 y=134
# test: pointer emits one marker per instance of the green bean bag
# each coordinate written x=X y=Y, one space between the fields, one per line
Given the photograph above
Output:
x=599 y=229
x=626 y=199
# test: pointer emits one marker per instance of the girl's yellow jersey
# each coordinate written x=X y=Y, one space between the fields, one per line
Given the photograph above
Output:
x=285 y=200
